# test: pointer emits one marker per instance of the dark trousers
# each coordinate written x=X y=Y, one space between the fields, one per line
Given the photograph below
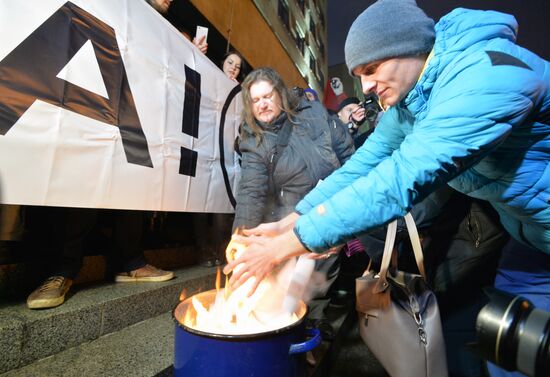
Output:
x=72 y=226
x=325 y=273
x=212 y=233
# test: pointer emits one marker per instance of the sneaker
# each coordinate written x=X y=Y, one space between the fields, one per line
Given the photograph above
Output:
x=50 y=294
x=146 y=273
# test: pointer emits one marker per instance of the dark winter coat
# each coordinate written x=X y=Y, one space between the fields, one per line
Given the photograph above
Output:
x=318 y=145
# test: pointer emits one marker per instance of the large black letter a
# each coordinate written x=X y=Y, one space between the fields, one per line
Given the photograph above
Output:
x=29 y=73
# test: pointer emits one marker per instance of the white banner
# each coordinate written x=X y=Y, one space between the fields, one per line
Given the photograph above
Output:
x=104 y=104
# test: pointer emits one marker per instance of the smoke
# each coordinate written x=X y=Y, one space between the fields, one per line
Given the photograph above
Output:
x=297 y=280
x=318 y=286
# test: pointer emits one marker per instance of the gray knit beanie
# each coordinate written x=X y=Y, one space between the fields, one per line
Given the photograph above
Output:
x=388 y=29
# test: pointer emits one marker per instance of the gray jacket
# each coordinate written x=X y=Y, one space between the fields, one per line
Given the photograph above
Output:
x=318 y=145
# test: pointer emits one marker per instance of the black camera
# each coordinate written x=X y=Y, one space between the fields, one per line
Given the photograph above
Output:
x=371 y=106
x=514 y=335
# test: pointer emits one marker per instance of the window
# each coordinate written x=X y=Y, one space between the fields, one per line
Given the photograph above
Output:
x=300 y=43
x=284 y=15
x=311 y=25
x=302 y=5
x=321 y=47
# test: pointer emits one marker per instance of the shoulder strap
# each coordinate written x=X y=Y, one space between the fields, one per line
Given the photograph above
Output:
x=283 y=136
x=389 y=250
x=282 y=140
x=416 y=244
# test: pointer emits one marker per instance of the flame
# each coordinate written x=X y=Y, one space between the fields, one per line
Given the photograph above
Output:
x=189 y=318
x=218 y=279
x=226 y=287
x=232 y=312
x=183 y=294
x=236 y=313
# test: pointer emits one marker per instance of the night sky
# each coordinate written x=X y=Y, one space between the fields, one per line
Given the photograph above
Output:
x=532 y=16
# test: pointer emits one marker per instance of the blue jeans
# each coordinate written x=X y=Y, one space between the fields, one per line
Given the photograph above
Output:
x=523 y=271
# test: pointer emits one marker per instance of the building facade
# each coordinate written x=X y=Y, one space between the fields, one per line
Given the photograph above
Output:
x=287 y=35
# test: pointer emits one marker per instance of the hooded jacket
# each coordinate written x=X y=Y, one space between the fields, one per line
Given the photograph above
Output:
x=478 y=119
x=317 y=146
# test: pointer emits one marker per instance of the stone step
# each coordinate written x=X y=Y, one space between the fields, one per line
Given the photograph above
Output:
x=90 y=312
x=143 y=349
x=146 y=349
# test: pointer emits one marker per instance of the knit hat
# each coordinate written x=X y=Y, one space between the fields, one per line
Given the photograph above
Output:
x=348 y=101
x=388 y=29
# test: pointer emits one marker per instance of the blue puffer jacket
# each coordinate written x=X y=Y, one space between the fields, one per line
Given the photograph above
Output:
x=477 y=119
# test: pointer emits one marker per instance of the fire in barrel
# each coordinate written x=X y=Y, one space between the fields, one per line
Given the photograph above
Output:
x=223 y=332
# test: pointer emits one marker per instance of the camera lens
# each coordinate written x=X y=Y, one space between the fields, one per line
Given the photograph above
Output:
x=515 y=335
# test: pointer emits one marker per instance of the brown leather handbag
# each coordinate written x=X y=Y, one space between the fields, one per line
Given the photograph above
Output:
x=398 y=314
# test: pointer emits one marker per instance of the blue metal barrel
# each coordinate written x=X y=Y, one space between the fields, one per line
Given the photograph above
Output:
x=278 y=353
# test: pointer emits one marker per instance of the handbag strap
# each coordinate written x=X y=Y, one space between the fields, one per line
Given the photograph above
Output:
x=389 y=250
x=416 y=245
x=283 y=136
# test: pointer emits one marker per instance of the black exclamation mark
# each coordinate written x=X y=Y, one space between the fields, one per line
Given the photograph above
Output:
x=190 y=123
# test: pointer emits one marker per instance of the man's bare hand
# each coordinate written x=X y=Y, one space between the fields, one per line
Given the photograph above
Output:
x=260 y=256
x=275 y=228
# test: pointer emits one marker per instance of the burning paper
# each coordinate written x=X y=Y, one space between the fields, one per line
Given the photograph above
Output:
x=272 y=306
x=234 y=313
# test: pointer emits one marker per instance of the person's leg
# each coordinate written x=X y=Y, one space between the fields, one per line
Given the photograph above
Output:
x=204 y=235
x=222 y=223
x=11 y=222
x=523 y=271
x=325 y=273
x=11 y=231
x=71 y=226
x=127 y=237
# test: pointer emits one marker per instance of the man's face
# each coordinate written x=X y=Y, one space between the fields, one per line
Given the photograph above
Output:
x=346 y=111
x=161 y=5
x=390 y=79
x=266 y=102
